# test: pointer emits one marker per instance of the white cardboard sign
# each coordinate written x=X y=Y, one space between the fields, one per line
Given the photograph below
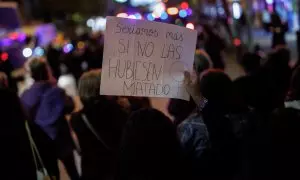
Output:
x=144 y=58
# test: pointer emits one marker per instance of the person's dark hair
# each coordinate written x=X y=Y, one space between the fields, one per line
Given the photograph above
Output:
x=150 y=148
x=250 y=62
x=279 y=59
x=89 y=86
x=216 y=86
x=39 y=70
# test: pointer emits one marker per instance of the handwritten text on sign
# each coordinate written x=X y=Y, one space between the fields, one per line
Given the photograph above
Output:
x=143 y=58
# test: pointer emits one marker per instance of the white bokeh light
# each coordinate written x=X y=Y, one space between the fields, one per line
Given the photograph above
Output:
x=236 y=10
x=190 y=26
x=141 y=2
x=90 y=23
x=100 y=24
x=27 y=52
x=121 y=1
x=158 y=9
x=131 y=16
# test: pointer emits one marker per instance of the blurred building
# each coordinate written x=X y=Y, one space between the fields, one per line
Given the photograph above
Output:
x=47 y=9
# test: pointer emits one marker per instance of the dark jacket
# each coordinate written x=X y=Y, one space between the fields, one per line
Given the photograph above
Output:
x=279 y=145
x=284 y=139
x=228 y=129
x=107 y=118
x=17 y=157
x=195 y=142
x=46 y=106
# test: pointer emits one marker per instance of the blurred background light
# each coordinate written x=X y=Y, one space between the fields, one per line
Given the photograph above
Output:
x=100 y=24
x=155 y=15
x=68 y=48
x=164 y=16
x=122 y=15
x=172 y=10
x=121 y=1
x=136 y=3
x=138 y=16
x=84 y=66
x=190 y=26
x=90 y=23
x=6 y=42
x=184 y=5
x=182 y=13
x=13 y=36
x=131 y=16
x=38 y=51
x=158 y=9
x=189 y=11
x=22 y=37
x=150 y=17
x=4 y=56
x=237 y=42
x=80 y=45
x=236 y=10
x=221 y=11
x=269 y=1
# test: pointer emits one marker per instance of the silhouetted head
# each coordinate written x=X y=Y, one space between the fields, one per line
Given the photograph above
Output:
x=89 y=86
x=250 y=62
x=39 y=70
x=150 y=148
x=279 y=59
x=216 y=86
x=275 y=18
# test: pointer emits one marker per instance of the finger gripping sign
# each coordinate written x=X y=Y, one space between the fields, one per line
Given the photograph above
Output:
x=144 y=58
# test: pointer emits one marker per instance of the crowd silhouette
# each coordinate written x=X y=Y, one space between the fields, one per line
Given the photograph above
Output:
x=247 y=128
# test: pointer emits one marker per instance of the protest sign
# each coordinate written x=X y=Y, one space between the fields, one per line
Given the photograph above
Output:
x=144 y=58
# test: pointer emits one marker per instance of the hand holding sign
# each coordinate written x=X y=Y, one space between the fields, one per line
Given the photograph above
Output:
x=143 y=58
